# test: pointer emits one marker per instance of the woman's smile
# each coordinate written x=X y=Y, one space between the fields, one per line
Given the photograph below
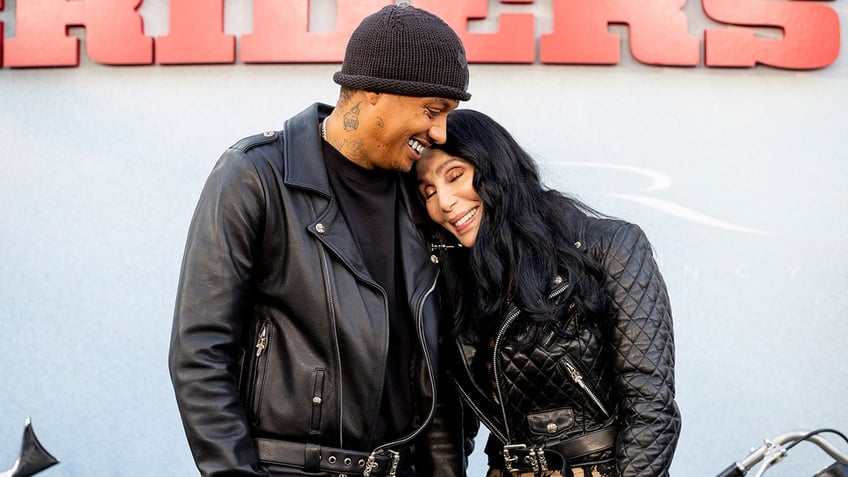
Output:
x=446 y=183
x=463 y=222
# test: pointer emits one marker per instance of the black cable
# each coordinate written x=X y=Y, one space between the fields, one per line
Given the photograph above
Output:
x=813 y=433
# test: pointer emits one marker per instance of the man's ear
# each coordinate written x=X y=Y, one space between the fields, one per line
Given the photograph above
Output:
x=373 y=97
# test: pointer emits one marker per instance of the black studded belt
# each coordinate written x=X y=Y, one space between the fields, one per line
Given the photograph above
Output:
x=313 y=458
x=553 y=454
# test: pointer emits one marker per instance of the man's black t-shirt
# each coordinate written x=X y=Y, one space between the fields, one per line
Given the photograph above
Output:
x=368 y=199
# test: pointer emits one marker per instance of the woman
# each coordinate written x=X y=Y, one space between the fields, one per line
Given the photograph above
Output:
x=561 y=320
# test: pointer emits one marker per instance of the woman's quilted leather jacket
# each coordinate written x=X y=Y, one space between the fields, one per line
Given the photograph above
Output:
x=584 y=376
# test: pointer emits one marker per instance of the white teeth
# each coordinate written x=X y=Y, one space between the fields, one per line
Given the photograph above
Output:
x=416 y=146
x=466 y=218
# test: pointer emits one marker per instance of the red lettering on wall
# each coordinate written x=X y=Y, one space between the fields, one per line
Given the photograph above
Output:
x=810 y=34
x=196 y=34
x=281 y=32
x=113 y=33
x=1 y=36
x=515 y=41
x=658 y=33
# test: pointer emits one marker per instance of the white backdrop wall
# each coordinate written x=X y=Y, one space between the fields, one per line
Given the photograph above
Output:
x=738 y=176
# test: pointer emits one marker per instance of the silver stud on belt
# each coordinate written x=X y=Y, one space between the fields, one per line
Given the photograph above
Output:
x=371 y=465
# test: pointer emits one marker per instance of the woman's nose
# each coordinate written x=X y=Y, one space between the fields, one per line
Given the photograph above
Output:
x=447 y=202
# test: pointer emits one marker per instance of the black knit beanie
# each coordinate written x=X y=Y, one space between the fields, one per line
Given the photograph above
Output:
x=407 y=51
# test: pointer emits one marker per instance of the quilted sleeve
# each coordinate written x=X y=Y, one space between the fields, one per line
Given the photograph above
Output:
x=643 y=356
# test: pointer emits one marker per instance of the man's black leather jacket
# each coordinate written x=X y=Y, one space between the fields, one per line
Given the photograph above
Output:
x=279 y=331
x=585 y=376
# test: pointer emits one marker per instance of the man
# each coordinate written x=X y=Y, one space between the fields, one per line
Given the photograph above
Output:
x=305 y=330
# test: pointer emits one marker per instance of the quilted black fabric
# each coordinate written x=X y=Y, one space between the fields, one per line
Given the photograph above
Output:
x=627 y=363
x=643 y=356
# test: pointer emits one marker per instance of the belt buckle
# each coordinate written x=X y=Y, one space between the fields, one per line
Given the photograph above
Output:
x=371 y=464
x=535 y=457
x=508 y=457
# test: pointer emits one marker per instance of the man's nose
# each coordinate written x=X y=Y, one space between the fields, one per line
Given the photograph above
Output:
x=438 y=130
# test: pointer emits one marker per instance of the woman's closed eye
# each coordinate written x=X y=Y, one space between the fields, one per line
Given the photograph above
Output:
x=427 y=192
x=454 y=174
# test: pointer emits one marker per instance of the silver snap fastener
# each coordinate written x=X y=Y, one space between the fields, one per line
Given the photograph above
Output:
x=320 y=228
x=347 y=461
x=578 y=244
x=552 y=427
x=268 y=133
x=316 y=400
x=434 y=259
x=331 y=459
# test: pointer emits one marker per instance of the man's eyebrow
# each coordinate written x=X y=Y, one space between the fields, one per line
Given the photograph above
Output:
x=444 y=103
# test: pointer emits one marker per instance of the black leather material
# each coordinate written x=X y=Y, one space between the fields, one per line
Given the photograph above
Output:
x=339 y=461
x=557 y=453
x=279 y=331
x=627 y=363
x=588 y=443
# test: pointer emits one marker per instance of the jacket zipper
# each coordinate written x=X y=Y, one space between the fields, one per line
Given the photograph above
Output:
x=510 y=318
x=257 y=381
x=419 y=311
x=331 y=310
x=262 y=342
x=497 y=369
x=480 y=414
x=578 y=378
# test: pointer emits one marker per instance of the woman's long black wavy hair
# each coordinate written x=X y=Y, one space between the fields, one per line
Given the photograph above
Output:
x=523 y=242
